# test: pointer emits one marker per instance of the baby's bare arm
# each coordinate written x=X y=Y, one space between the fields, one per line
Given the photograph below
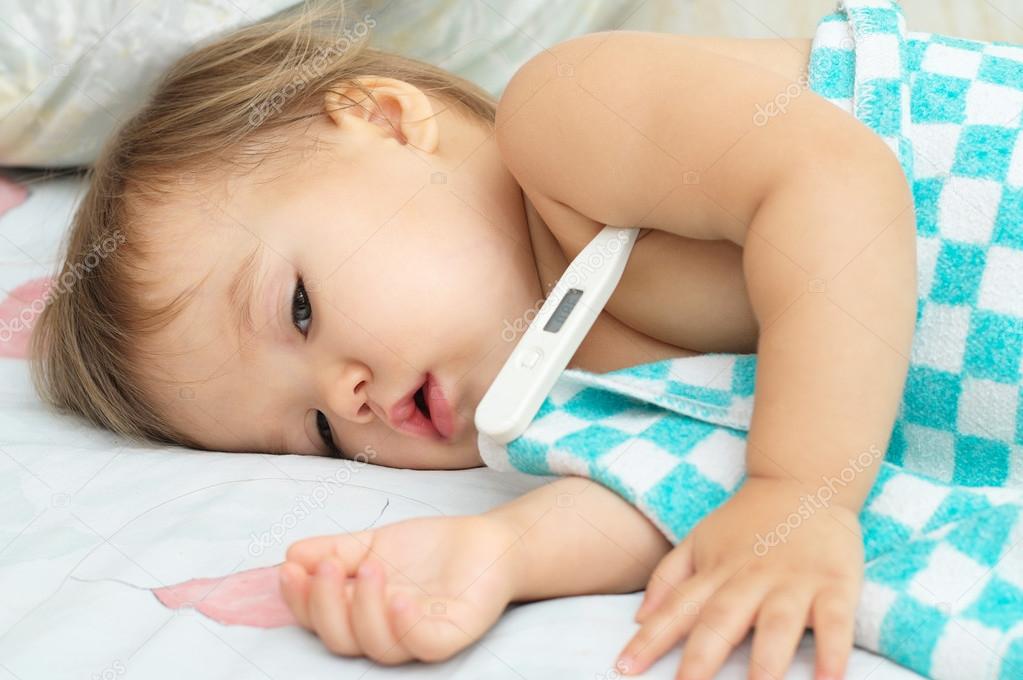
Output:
x=578 y=537
x=427 y=587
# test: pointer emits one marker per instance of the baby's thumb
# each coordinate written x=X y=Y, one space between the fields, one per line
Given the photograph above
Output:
x=671 y=572
x=435 y=629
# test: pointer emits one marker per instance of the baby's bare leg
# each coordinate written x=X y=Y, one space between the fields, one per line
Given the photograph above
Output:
x=578 y=537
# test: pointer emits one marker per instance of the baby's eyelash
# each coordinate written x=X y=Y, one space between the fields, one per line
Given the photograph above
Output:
x=301 y=308
x=323 y=427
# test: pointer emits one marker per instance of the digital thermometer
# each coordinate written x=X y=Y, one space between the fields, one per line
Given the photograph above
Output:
x=553 y=337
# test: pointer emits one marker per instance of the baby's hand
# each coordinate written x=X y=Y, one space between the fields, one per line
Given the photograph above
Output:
x=417 y=589
x=749 y=563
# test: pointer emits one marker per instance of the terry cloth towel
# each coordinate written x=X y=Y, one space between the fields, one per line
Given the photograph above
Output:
x=950 y=109
x=942 y=525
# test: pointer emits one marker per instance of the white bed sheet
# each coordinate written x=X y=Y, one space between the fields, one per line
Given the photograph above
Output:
x=89 y=524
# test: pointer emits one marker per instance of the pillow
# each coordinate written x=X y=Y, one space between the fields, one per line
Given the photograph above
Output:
x=70 y=72
x=487 y=41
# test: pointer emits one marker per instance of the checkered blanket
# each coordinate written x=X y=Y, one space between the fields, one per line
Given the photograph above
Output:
x=943 y=524
x=951 y=113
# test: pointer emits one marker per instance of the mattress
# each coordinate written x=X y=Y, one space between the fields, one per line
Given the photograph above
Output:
x=91 y=524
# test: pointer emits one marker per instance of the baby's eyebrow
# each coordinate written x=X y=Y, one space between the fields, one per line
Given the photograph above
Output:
x=240 y=291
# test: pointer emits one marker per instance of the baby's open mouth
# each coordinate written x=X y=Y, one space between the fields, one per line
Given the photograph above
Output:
x=416 y=415
x=420 y=398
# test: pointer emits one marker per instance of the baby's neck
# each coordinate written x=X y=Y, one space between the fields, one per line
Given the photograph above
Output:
x=610 y=345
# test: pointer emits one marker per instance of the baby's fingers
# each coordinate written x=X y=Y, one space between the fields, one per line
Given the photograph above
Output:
x=349 y=548
x=724 y=621
x=369 y=617
x=665 y=626
x=670 y=573
x=833 y=620
x=294 y=583
x=328 y=609
x=778 y=629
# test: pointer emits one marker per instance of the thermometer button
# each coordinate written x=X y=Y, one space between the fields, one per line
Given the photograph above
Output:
x=531 y=357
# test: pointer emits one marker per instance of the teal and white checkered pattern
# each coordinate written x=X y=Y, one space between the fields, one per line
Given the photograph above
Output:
x=951 y=110
x=943 y=587
x=943 y=524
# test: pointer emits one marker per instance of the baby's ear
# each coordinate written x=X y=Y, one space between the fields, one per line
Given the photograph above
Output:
x=400 y=109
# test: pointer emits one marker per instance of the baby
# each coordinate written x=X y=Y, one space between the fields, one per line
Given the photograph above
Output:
x=325 y=245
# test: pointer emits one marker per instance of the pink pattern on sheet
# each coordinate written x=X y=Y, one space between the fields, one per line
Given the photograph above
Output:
x=11 y=195
x=14 y=331
x=248 y=598
x=18 y=313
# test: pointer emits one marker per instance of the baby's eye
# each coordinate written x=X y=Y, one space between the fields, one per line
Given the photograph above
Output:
x=323 y=427
x=301 y=310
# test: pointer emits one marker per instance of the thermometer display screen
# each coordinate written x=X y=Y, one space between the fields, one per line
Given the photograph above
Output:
x=563 y=311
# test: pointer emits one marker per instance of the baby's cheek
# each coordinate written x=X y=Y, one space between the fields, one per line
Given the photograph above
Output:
x=360 y=449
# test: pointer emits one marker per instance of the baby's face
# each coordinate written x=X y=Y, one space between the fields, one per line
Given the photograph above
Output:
x=376 y=265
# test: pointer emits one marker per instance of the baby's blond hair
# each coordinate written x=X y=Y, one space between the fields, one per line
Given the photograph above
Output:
x=206 y=114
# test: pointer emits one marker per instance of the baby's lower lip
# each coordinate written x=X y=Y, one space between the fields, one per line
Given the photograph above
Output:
x=419 y=425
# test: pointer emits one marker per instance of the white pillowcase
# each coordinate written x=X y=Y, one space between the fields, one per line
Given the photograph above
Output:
x=71 y=71
x=486 y=41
